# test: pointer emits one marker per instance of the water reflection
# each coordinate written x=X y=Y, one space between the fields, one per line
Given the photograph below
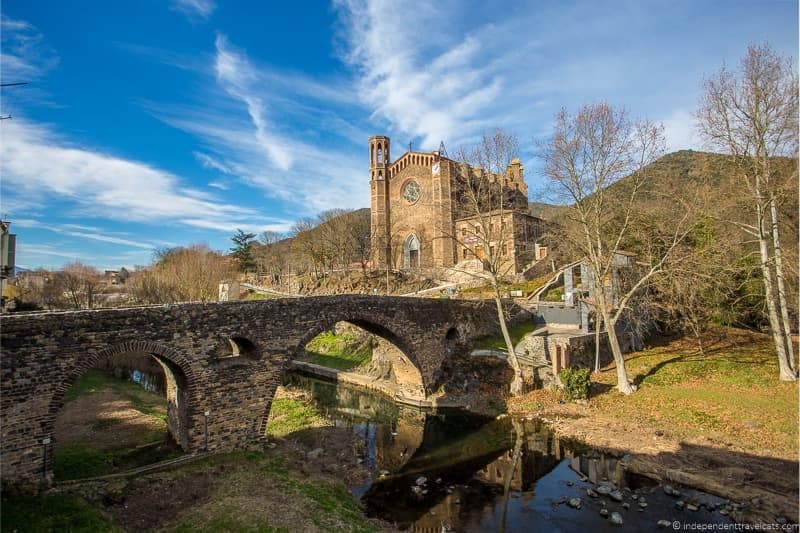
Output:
x=440 y=471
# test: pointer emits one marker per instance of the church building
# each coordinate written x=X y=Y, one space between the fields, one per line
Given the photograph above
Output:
x=431 y=212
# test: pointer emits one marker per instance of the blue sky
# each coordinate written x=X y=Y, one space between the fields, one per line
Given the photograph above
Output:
x=170 y=122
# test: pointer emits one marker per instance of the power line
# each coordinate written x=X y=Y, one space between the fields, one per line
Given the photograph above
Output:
x=5 y=85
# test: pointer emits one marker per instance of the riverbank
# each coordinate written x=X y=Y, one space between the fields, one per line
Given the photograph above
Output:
x=297 y=483
x=719 y=421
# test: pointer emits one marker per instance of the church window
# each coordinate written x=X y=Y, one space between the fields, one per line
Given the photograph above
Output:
x=463 y=231
x=411 y=191
x=491 y=251
x=504 y=250
x=463 y=253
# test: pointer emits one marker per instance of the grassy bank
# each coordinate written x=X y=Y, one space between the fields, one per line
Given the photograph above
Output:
x=516 y=332
x=243 y=491
x=728 y=396
x=266 y=492
x=344 y=351
x=292 y=412
x=53 y=512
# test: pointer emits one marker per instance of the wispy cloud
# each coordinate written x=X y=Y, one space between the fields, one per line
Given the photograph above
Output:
x=24 y=55
x=243 y=123
x=218 y=184
x=92 y=233
x=209 y=162
x=237 y=76
x=36 y=163
x=195 y=10
x=424 y=84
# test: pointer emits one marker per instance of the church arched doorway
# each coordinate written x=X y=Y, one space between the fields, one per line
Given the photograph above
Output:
x=411 y=252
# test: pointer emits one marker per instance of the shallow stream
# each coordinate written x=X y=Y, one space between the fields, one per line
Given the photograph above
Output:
x=455 y=471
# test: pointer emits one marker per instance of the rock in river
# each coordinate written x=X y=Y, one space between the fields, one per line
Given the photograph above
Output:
x=616 y=518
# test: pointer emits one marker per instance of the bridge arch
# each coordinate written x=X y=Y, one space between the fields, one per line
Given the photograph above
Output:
x=182 y=385
x=370 y=326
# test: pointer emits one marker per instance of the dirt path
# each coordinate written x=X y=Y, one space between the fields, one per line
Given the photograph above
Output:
x=91 y=418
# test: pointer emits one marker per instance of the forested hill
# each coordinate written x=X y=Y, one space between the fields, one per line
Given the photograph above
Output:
x=674 y=170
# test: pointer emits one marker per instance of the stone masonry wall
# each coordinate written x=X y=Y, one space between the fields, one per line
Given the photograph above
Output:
x=44 y=353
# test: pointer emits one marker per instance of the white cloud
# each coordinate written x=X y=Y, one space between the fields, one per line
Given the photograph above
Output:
x=195 y=9
x=680 y=132
x=425 y=85
x=36 y=163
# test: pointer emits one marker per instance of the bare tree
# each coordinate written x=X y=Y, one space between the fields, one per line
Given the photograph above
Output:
x=80 y=283
x=482 y=190
x=183 y=274
x=270 y=237
x=585 y=160
x=752 y=115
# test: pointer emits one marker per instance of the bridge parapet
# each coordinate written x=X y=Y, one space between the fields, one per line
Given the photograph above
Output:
x=223 y=361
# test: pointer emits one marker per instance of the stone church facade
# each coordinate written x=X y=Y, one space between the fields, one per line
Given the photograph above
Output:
x=430 y=212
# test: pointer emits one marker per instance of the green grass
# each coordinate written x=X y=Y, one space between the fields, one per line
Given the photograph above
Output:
x=80 y=460
x=516 y=332
x=259 y=296
x=324 y=504
x=553 y=295
x=53 y=512
x=730 y=394
x=486 y=291
x=342 y=352
x=334 y=505
x=288 y=415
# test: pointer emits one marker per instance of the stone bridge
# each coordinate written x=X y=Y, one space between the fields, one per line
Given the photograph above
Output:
x=222 y=361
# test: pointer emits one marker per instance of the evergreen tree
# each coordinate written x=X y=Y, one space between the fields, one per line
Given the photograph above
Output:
x=243 y=250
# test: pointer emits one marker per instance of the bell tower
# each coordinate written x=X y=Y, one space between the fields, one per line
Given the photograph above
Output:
x=379 y=161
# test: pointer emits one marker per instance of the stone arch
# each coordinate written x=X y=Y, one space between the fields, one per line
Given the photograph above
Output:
x=370 y=326
x=452 y=334
x=241 y=347
x=182 y=383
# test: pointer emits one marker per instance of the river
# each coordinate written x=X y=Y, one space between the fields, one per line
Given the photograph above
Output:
x=455 y=471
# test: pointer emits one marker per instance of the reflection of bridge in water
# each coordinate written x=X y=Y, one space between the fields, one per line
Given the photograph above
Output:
x=468 y=461
x=475 y=467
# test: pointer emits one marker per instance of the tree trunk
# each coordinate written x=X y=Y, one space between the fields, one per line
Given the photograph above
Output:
x=598 y=323
x=516 y=382
x=775 y=325
x=622 y=374
x=787 y=328
x=613 y=342
x=519 y=435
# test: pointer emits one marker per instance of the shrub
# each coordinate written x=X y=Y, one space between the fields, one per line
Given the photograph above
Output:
x=577 y=382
